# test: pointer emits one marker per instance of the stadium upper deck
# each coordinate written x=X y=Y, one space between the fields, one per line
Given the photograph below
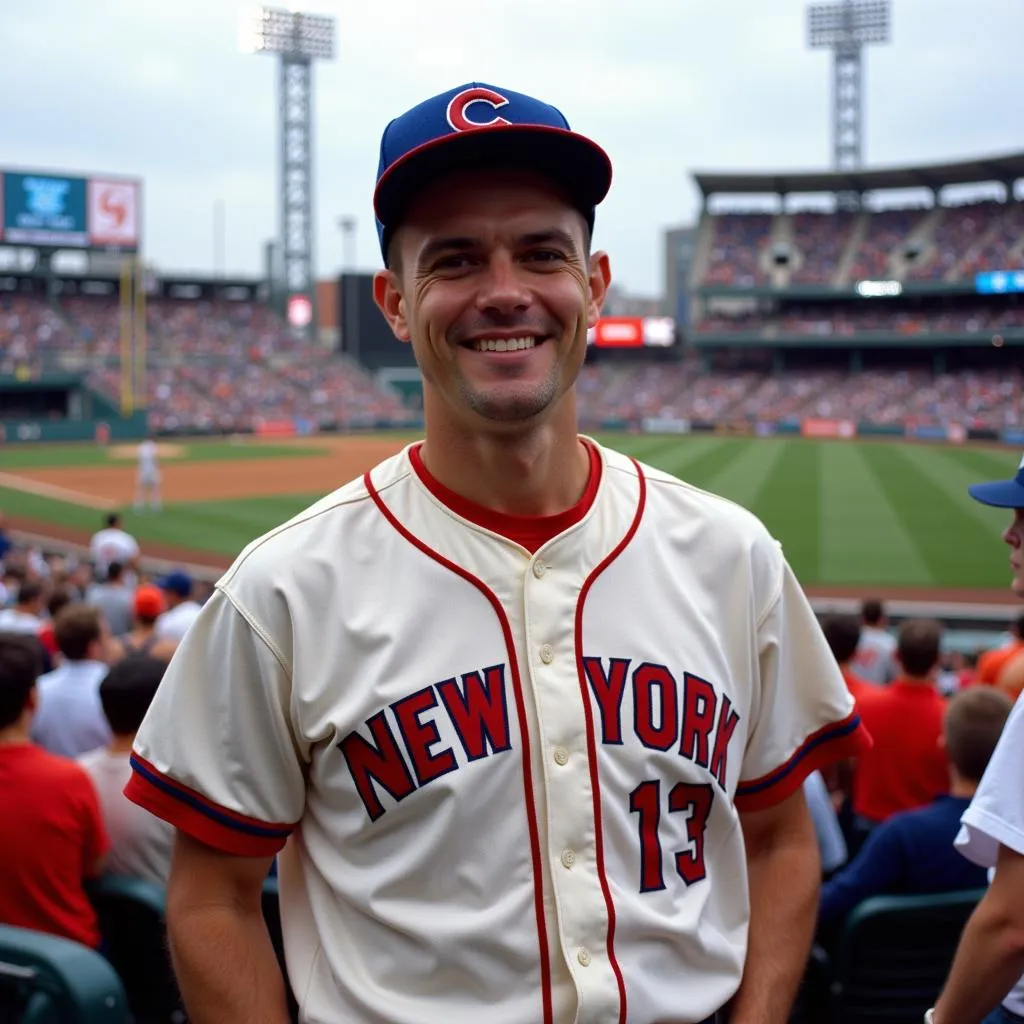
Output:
x=934 y=242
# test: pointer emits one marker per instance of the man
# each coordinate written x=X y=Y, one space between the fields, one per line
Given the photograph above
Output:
x=53 y=836
x=874 y=658
x=147 y=478
x=181 y=609
x=526 y=720
x=843 y=633
x=990 y=959
x=26 y=616
x=113 y=597
x=69 y=720
x=913 y=851
x=907 y=766
x=140 y=843
x=992 y=663
x=114 y=544
x=148 y=605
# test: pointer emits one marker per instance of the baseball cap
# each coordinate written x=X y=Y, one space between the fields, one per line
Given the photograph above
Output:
x=176 y=582
x=479 y=125
x=1001 y=493
x=149 y=601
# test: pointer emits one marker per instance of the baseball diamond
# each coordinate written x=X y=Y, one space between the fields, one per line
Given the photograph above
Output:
x=876 y=515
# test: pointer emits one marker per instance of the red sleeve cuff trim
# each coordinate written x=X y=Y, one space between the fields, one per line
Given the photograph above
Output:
x=833 y=742
x=185 y=809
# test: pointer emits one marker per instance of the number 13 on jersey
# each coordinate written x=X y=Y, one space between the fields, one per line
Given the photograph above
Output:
x=692 y=799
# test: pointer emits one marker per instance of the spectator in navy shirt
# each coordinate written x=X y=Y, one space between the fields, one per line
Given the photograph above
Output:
x=912 y=852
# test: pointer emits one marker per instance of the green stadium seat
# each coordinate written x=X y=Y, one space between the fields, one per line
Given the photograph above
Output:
x=132 y=920
x=893 y=956
x=56 y=981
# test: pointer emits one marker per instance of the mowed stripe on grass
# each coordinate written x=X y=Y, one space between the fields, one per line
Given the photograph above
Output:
x=864 y=541
x=945 y=530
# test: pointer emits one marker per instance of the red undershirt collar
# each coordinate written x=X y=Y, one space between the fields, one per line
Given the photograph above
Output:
x=530 y=532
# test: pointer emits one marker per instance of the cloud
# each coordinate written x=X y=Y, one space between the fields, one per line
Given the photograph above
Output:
x=667 y=86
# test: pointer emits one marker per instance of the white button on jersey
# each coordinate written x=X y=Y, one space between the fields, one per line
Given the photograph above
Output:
x=547 y=654
x=583 y=956
x=539 y=568
x=568 y=858
x=561 y=756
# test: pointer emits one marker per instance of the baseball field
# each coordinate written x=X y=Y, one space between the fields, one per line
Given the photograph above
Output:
x=892 y=518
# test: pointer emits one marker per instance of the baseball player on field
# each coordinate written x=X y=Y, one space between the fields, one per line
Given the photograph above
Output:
x=525 y=721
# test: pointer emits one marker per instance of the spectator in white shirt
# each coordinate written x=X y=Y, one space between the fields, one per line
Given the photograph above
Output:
x=69 y=720
x=876 y=652
x=114 y=544
x=140 y=843
x=181 y=609
x=113 y=597
x=26 y=617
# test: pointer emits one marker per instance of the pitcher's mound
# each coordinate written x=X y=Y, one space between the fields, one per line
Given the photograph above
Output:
x=131 y=451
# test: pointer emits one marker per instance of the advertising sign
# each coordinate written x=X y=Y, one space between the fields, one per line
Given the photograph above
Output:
x=44 y=209
x=632 y=332
x=113 y=213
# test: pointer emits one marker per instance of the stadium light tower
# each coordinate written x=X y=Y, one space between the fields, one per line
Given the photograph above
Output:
x=298 y=39
x=844 y=27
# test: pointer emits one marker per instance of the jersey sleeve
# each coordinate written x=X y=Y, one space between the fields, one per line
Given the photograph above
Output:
x=216 y=755
x=804 y=715
x=995 y=816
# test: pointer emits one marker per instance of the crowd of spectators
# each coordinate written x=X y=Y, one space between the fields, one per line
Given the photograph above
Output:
x=821 y=239
x=846 y=321
x=965 y=239
x=914 y=397
x=736 y=247
x=211 y=366
x=957 y=233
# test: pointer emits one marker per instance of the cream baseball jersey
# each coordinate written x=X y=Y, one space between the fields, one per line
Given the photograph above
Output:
x=505 y=786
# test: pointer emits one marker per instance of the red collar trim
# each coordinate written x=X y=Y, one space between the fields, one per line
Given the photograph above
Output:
x=529 y=531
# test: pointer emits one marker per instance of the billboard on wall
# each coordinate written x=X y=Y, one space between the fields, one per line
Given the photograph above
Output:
x=633 y=332
x=58 y=210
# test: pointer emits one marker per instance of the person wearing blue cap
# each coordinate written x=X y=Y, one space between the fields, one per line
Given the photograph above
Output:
x=987 y=975
x=524 y=721
x=181 y=609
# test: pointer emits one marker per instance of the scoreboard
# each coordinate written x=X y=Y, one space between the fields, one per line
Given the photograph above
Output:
x=40 y=208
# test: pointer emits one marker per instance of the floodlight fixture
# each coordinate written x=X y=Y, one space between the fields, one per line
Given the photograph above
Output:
x=297 y=38
x=845 y=27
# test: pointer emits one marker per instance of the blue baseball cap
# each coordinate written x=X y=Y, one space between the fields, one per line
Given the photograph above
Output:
x=176 y=582
x=478 y=125
x=1001 y=493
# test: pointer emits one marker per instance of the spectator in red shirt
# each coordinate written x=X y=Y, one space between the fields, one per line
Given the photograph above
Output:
x=907 y=767
x=843 y=633
x=53 y=834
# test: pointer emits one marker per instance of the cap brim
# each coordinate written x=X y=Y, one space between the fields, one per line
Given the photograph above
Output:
x=999 y=493
x=579 y=166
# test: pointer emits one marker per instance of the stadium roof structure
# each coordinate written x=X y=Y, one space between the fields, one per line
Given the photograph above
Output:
x=1005 y=169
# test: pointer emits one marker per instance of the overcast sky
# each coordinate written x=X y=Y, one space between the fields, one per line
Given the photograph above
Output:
x=160 y=90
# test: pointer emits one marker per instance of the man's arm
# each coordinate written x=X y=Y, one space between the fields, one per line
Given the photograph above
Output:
x=990 y=957
x=784 y=875
x=876 y=869
x=223 y=958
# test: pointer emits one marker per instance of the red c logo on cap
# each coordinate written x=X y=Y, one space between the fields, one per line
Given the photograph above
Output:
x=460 y=104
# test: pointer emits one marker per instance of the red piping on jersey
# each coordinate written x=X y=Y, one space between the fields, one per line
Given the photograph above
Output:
x=592 y=743
x=531 y=811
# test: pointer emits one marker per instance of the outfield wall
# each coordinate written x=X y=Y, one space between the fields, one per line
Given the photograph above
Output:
x=61 y=407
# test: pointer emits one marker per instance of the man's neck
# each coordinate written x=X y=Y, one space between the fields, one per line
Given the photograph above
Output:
x=538 y=473
x=906 y=677
x=15 y=735
x=120 y=745
x=961 y=787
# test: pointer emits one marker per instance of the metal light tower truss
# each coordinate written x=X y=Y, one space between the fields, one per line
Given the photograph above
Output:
x=298 y=39
x=845 y=27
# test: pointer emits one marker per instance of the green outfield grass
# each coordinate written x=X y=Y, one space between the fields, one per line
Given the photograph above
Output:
x=867 y=513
